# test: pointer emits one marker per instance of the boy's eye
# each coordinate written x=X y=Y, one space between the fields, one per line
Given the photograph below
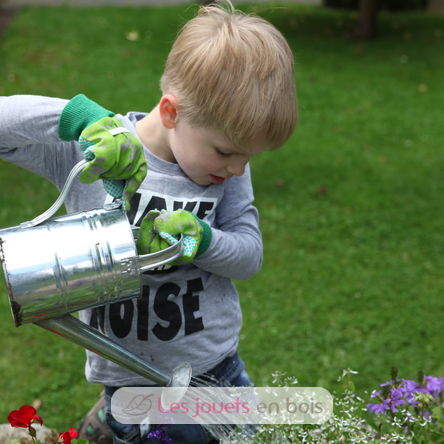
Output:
x=221 y=153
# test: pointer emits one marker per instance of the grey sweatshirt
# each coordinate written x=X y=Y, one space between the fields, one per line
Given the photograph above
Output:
x=184 y=313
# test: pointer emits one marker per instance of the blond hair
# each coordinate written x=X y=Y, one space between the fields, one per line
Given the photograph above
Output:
x=233 y=72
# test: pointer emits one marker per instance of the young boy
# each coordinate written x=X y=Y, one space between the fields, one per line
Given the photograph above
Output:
x=228 y=94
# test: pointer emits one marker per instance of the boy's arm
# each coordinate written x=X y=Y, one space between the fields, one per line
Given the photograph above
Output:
x=28 y=120
x=112 y=151
x=235 y=250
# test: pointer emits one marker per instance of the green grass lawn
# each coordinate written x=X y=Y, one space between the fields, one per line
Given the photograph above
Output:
x=351 y=208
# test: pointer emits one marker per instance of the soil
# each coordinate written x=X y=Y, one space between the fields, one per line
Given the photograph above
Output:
x=6 y=16
x=436 y=5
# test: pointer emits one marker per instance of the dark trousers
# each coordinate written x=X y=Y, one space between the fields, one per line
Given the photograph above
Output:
x=231 y=370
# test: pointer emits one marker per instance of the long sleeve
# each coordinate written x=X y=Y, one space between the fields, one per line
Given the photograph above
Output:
x=27 y=120
x=29 y=136
x=236 y=246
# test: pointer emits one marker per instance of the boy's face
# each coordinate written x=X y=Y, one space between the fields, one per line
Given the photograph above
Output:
x=207 y=156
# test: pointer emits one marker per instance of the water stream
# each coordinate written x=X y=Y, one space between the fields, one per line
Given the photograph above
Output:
x=221 y=432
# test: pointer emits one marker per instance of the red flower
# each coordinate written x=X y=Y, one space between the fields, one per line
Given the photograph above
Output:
x=23 y=417
x=66 y=437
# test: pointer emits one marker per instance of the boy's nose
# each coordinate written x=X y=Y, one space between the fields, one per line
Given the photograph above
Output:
x=237 y=167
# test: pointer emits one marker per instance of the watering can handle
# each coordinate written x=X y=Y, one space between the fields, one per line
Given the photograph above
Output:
x=144 y=262
x=78 y=167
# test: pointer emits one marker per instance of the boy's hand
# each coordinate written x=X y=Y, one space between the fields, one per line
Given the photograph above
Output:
x=114 y=158
x=114 y=154
x=162 y=229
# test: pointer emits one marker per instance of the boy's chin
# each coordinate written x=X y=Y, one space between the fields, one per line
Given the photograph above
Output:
x=203 y=181
x=208 y=179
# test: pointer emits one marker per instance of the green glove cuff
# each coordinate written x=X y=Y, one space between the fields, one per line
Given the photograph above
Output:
x=78 y=114
x=206 y=237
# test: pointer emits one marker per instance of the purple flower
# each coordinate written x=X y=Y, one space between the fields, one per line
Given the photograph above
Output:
x=405 y=391
x=379 y=408
x=410 y=386
x=410 y=389
x=160 y=433
x=376 y=393
x=394 y=403
x=434 y=385
x=397 y=393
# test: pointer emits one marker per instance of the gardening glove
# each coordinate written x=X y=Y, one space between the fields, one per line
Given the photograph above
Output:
x=160 y=229
x=114 y=153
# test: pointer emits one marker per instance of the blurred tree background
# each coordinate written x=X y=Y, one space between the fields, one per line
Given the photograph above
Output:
x=366 y=26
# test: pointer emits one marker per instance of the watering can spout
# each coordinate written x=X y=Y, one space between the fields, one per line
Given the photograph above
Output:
x=82 y=334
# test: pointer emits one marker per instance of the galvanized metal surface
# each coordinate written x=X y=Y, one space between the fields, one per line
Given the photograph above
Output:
x=73 y=262
x=57 y=266
x=79 y=333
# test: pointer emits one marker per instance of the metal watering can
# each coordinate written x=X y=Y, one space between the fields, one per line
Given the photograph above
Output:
x=56 y=266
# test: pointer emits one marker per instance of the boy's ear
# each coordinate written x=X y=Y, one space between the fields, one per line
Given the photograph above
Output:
x=168 y=111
